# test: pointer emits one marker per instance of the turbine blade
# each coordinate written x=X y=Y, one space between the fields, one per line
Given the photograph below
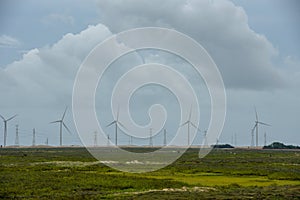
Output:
x=184 y=123
x=119 y=123
x=111 y=123
x=254 y=127
x=262 y=123
x=67 y=128
x=256 y=115
x=11 y=118
x=118 y=112
x=190 y=115
x=2 y=117
x=64 y=113
x=195 y=126
x=55 y=121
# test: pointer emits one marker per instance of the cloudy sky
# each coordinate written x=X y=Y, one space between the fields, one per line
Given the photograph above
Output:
x=255 y=45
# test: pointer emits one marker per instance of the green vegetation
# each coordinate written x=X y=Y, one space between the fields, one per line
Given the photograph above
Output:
x=72 y=173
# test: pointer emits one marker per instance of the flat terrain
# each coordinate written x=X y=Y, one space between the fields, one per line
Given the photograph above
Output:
x=72 y=173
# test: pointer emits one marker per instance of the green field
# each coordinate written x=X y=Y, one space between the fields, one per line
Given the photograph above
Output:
x=72 y=173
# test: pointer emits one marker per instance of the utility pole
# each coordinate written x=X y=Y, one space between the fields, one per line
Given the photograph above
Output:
x=235 y=139
x=33 y=137
x=47 y=142
x=165 y=137
x=130 y=140
x=17 y=136
x=150 y=139
x=95 y=139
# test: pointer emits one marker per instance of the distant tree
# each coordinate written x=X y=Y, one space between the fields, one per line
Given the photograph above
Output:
x=221 y=146
x=278 y=145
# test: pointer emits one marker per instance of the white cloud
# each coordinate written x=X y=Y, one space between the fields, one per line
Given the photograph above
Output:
x=48 y=73
x=243 y=56
x=8 y=41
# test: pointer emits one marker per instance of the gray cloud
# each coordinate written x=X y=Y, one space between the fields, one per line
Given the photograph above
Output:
x=243 y=56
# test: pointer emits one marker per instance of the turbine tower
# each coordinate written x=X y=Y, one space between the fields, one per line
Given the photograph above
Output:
x=33 y=137
x=150 y=138
x=165 y=137
x=257 y=122
x=5 y=127
x=205 y=138
x=61 y=124
x=117 y=123
x=108 y=140
x=189 y=123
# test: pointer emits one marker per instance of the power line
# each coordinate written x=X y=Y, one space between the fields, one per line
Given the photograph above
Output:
x=17 y=136
x=150 y=139
x=33 y=137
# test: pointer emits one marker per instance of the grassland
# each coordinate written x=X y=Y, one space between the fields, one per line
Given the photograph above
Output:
x=72 y=173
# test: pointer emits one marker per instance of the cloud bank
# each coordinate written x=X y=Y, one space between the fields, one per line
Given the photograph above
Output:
x=243 y=56
x=47 y=73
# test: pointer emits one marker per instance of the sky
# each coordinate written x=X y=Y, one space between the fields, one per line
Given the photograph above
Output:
x=255 y=45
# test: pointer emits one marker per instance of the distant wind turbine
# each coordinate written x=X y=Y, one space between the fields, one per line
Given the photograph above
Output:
x=61 y=124
x=188 y=123
x=117 y=124
x=205 y=138
x=257 y=122
x=5 y=127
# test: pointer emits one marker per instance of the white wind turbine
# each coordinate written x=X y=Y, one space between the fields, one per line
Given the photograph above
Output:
x=5 y=127
x=117 y=124
x=257 y=122
x=189 y=123
x=205 y=138
x=61 y=124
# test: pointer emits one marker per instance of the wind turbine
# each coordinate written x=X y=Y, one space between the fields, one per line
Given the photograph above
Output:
x=205 y=138
x=117 y=123
x=257 y=122
x=5 y=127
x=188 y=123
x=61 y=124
